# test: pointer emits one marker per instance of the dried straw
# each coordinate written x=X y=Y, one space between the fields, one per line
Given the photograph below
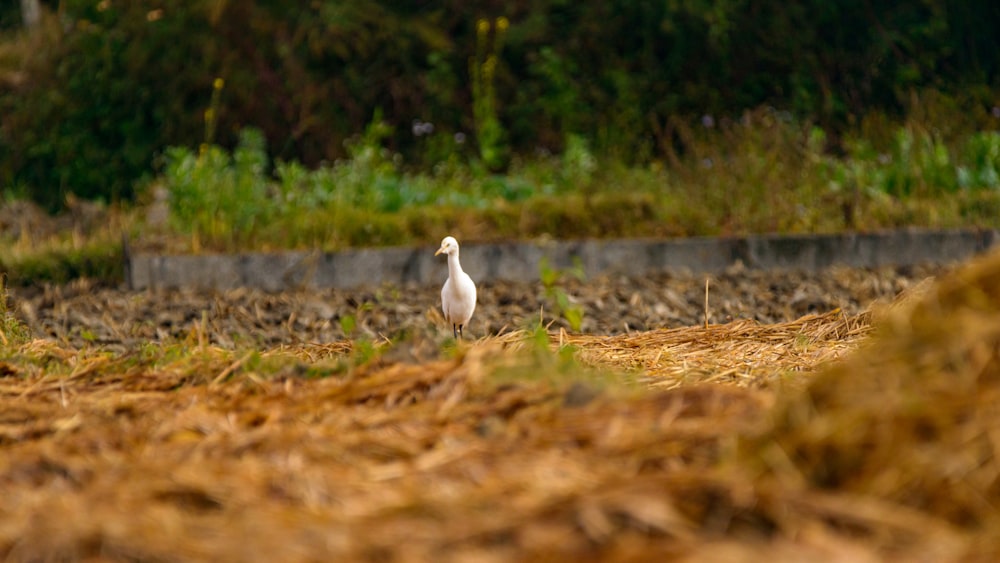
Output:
x=887 y=452
x=743 y=353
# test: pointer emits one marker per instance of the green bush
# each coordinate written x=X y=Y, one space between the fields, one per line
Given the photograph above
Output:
x=919 y=163
x=981 y=164
x=102 y=97
x=218 y=195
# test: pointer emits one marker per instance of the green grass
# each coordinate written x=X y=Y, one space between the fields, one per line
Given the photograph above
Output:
x=61 y=257
x=13 y=332
x=101 y=260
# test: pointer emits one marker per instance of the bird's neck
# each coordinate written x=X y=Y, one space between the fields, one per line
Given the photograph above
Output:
x=454 y=268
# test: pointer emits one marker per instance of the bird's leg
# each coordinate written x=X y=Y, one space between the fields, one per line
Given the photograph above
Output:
x=460 y=332
x=454 y=330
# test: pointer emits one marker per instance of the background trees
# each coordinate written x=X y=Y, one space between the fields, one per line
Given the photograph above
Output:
x=92 y=94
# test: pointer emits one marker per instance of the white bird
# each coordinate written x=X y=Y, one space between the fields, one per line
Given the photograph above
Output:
x=458 y=296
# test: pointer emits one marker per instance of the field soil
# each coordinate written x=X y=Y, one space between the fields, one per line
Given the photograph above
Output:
x=81 y=313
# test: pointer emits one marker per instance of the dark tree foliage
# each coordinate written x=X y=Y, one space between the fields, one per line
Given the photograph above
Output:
x=118 y=81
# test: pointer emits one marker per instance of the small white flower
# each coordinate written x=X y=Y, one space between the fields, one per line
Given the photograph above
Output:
x=421 y=128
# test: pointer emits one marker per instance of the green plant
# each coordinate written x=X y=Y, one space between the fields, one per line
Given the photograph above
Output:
x=482 y=70
x=347 y=324
x=216 y=195
x=13 y=332
x=557 y=297
x=918 y=164
x=578 y=163
x=981 y=168
x=537 y=362
x=212 y=113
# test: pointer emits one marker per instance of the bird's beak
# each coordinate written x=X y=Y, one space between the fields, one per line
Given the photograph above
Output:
x=439 y=251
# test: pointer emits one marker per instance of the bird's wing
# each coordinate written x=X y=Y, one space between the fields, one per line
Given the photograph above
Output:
x=468 y=297
x=445 y=299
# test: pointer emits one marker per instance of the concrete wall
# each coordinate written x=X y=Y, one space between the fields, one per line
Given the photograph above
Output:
x=519 y=261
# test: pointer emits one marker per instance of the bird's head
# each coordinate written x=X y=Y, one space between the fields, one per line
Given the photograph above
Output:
x=449 y=246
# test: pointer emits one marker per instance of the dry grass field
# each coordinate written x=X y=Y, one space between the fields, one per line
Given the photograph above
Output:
x=870 y=435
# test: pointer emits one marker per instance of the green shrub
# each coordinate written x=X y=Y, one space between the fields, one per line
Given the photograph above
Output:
x=98 y=260
x=552 y=280
x=217 y=195
x=981 y=164
x=102 y=97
